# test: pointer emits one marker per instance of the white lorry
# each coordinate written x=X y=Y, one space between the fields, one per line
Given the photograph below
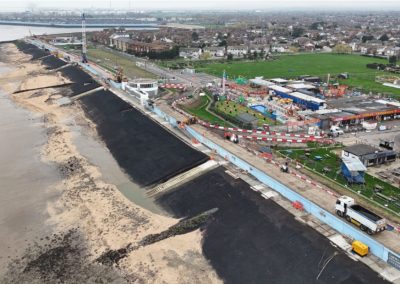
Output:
x=360 y=216
x=336 y=131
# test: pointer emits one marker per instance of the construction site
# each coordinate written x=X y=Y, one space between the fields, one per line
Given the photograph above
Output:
x=266 y=183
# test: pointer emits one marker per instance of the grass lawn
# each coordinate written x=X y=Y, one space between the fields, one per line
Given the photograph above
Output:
x=333 y=162
x=110 y=60
x=291 y=66
x=233 y=109
x=199 y=110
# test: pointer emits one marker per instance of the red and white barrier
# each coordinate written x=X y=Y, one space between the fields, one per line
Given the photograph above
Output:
x=275 y=135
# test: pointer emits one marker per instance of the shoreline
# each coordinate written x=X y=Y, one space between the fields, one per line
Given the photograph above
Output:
x=90 y=216
x=99 y=234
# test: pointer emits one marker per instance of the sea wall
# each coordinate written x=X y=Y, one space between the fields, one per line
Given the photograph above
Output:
x=336 y=223
x=147 y=152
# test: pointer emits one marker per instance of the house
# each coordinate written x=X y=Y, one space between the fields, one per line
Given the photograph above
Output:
x=237 y=51
x=139 y=47
x=122 y=43
x=215 y=51
x=393 y=51
x=369 y=155
x=113 y=38
x=278 y=48
x=190 y=52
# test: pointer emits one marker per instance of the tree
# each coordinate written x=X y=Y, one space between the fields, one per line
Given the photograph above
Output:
x=367 y=38
x=230 y=56
x=205 y=56
x=297 y=32
x=195 y=36
x=293 y=49
x=223 y=43
x=262 y=53
x=393 y=60
x=342 y=49
x=384 y=38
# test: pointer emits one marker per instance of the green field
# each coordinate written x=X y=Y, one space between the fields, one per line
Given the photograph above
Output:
x=329 y=167
x=199 y=110
x=291 y=66
x=110 y=60
x=232 y=108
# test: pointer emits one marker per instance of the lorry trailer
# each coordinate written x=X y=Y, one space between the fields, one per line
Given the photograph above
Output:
x=360 y=216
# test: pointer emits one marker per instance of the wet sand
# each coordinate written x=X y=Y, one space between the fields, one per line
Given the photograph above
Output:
x=85 y=215
x=24 y=180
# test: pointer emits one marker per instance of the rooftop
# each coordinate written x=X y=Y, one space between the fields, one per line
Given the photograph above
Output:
x=142 y=81
x=354 y=164
x=246 y=118
x=361 y=149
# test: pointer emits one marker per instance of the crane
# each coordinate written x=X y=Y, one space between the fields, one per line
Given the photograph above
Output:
x=84 y=48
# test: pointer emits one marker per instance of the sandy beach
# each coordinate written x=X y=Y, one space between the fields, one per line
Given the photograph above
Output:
x=81 y=215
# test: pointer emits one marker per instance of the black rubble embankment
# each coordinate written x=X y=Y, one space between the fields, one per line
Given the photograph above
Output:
x=148 y=153
x=31 y=49
x=253 y=240
x=81 y=81
x=52 y=62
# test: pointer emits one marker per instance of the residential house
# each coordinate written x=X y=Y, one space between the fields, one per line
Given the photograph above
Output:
x=215 y=51
x=237 y=51
x=113 y=38
x=190 y=52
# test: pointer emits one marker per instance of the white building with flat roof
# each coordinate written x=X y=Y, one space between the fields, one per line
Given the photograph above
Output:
x=149 y=86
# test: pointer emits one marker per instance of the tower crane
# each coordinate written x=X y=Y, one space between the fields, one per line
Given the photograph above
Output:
x=84 y=47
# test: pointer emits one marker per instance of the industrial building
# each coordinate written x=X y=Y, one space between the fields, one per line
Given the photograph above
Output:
x=353 y=169
x=368 y=155
x=301 y=99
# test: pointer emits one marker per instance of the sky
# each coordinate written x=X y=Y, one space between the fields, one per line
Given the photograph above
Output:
x=10 y=5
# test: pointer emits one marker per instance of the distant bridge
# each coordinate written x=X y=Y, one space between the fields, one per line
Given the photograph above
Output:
x=78 y=25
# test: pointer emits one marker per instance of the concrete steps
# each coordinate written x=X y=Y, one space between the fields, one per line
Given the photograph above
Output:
x=183 y=178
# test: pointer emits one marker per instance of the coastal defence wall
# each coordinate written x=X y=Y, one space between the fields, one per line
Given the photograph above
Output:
x=31 y=49
x=147 y=152
x=51 y=62
x=254 y=240
x=82 y=82
x=336 y=223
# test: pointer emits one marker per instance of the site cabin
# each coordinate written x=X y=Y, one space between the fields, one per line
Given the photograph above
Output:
x=360 y=216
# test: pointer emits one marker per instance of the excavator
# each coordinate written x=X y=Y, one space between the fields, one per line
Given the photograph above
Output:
x=190 y=121
x=119 y=75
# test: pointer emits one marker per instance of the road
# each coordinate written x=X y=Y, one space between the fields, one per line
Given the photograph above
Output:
x=173 y=76
x=372 y=137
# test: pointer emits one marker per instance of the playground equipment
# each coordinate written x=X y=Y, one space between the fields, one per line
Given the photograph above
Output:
x=335 y=91
x=247 y=90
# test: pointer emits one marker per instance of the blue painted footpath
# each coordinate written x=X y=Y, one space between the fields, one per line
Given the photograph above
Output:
x=324 y=216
